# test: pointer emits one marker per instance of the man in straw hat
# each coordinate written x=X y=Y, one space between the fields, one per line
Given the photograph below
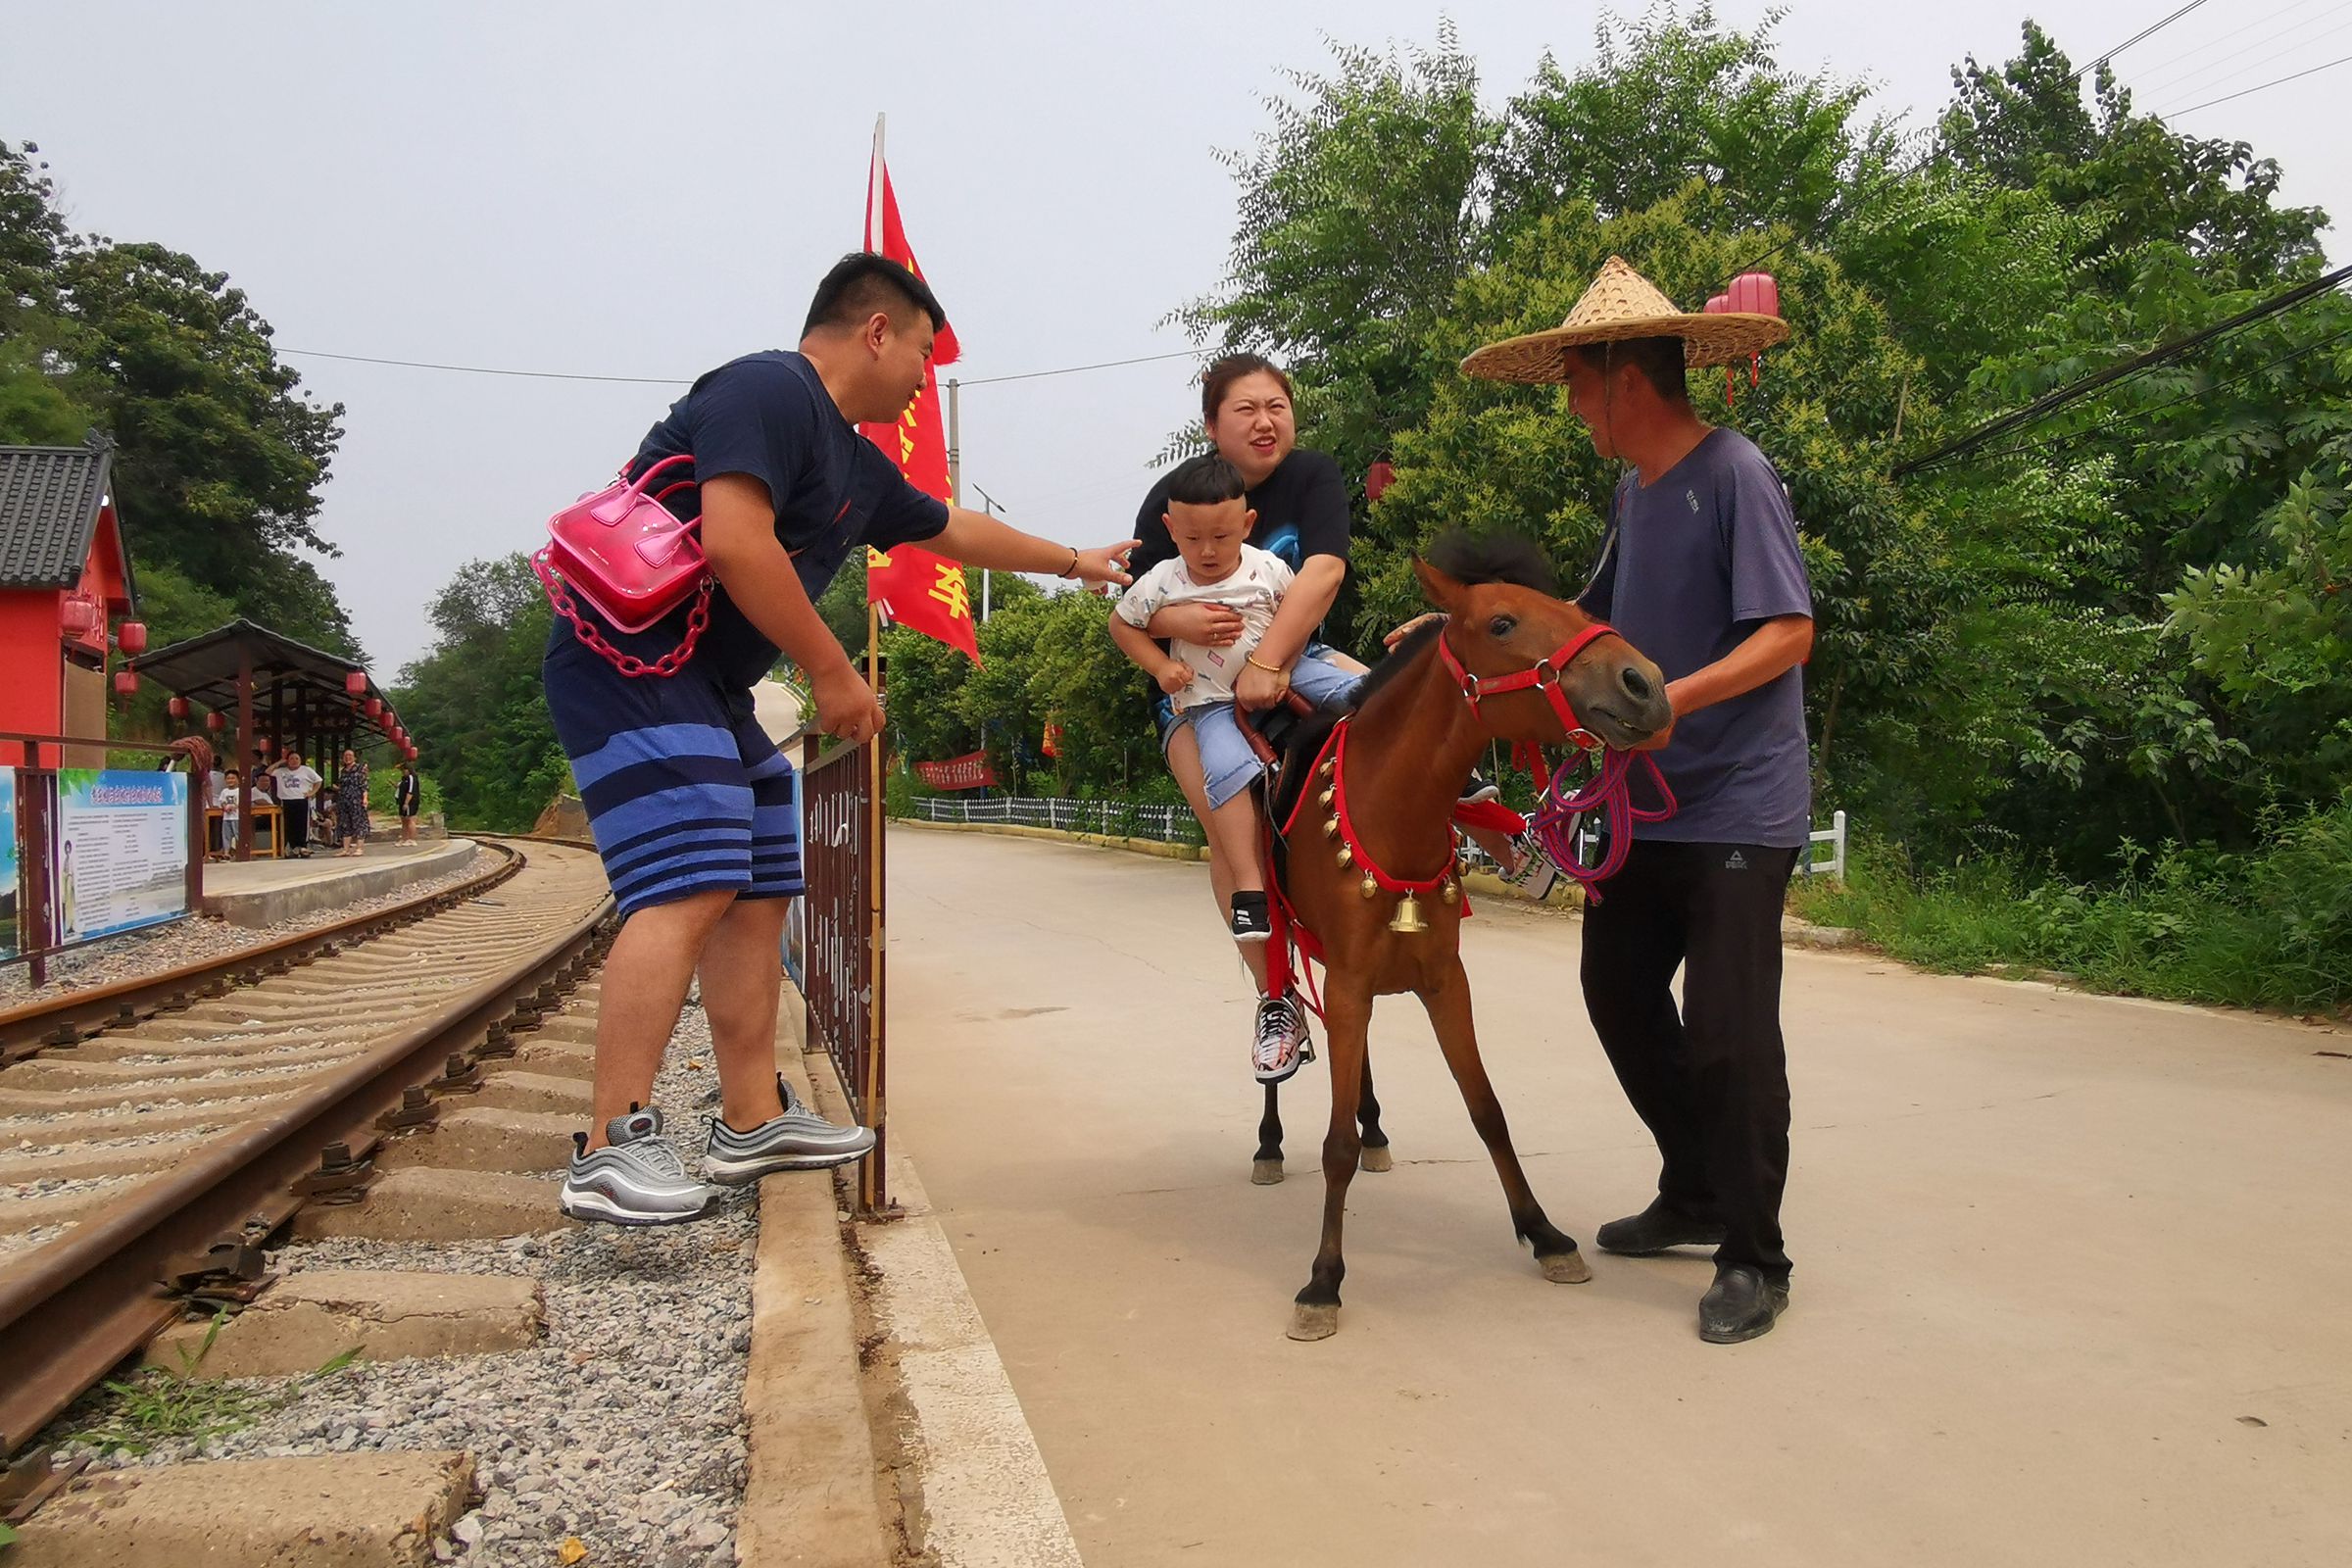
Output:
x=1701 y=572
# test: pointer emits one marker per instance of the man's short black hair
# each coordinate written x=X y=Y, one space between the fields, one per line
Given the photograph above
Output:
x=1661 y=361
x=1207 y=480
x=862 y=283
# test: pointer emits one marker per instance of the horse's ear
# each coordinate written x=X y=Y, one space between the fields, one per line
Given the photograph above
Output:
x=1444 y=592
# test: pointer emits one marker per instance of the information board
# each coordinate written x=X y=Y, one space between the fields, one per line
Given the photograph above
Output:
x=121 y=851
x=11 y=897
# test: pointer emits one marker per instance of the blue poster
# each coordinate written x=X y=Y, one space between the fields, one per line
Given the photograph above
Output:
x=121 y=851
x=8 y=863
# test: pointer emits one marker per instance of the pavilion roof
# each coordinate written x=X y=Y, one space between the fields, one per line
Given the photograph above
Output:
x=204 y=669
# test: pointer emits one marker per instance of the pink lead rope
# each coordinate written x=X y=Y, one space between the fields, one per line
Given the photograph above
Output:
x=1610 y=791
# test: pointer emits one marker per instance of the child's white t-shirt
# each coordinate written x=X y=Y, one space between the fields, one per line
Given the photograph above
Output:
x=1254 y=588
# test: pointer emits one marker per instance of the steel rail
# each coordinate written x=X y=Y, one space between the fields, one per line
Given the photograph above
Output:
x=28 y=1029
x=79 y=1306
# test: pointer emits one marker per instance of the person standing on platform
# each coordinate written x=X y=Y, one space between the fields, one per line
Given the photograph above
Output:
x=1700 y=571
x=690 y=804
x=297 y=785
x=407 y=798
x=351 y=804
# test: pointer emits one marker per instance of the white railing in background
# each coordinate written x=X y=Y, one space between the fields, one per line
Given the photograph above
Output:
x=1174 y=824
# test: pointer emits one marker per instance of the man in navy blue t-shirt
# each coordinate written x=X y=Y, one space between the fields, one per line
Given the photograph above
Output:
x=689 y=803
x=1702 y=574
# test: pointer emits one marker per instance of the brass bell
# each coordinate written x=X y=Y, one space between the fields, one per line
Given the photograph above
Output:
x=1407 y=919
x=1346 y=856
x=1371 y=886
x=1450 y=892
x=1325 y=798
x=1331 y=827
x=1330 y=765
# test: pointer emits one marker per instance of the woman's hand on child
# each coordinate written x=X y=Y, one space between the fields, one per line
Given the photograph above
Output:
x=1201 y=626
x=1174 y=676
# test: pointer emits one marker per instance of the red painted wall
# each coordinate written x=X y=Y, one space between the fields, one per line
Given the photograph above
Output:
x=31 y=664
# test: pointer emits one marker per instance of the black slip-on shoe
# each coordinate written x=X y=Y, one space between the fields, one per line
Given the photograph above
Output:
x=1656 y=1229
x=1739 y=1305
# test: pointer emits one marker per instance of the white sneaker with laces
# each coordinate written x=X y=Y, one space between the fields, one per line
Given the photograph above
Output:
x=1282 y=1041
x=1536 y=876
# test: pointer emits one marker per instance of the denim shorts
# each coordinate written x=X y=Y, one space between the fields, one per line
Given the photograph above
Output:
x=1226 y=760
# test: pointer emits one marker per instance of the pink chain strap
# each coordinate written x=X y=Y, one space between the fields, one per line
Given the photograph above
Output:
x=698 y=619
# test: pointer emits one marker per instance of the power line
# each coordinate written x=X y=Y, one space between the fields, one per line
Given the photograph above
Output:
x=686 y=381
x=2262 y=86
x=2153 y=74
x=2302 y=47
x=2049 y=402
x=2156 y=80
x=2138 y=414
x=2144 y=33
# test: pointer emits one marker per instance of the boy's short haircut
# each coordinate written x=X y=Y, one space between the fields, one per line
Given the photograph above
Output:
x=862 y=283
x=1207 y=480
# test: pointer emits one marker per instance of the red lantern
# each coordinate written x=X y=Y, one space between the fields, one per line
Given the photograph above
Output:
x=131 y=636
x=1378 y=478
x=1756 y=293
x=411 y=751
x=177 y=707
x=372 y=707
x=78 y=615
x=127 y=682
x=356 y=683
x=215 y=722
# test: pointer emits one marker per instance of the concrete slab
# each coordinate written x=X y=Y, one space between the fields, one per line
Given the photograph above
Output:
x=357 y=1510
x=257 y=893
x=554 y=1058
x=134 y=1120
x=810 y=1491
x=531 y=1091
x=471 y=1136
x=427 y=1204
x=306 y=1320
x=2063 y=1291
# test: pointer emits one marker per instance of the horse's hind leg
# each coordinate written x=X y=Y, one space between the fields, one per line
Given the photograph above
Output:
x=1266 y=1169
x=1316 y=1316
x=1376 y=1156
x=1448 y=1004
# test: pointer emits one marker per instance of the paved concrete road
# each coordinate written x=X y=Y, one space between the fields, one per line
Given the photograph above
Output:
x=2070 y=1287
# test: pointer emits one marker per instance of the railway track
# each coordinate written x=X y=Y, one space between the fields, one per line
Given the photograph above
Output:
x=153 y=1133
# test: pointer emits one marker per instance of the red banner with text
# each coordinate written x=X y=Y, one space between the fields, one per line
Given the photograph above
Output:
x=969 y=772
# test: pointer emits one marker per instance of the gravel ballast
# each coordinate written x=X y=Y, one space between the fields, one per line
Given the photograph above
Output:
x=623 y=1428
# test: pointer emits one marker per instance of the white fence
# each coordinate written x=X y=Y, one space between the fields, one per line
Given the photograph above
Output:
x=1125 y=819
x=1174 y=824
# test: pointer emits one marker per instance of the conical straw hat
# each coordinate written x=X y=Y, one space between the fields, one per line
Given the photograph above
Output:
x=1622 y=304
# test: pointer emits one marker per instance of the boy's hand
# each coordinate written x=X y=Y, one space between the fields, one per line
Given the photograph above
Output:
x=846 y=706
x=1174 y=676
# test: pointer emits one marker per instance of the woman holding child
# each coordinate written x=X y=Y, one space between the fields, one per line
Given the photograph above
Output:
x=1297 y=505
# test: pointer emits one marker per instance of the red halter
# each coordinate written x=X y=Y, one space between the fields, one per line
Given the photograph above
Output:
x=1544 y=677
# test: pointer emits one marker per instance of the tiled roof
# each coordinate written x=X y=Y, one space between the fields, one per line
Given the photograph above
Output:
x=49 y=502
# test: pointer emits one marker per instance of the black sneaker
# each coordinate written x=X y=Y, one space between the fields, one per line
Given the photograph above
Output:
x=1480 y=789
x=1250 y=920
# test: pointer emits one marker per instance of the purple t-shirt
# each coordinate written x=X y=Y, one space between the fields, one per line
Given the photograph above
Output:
x=1700 y=557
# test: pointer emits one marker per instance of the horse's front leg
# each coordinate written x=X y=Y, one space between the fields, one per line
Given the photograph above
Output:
x=1347 y=1018
x=1267 y=1168
x=1376 y=1156
x=1447 y=1000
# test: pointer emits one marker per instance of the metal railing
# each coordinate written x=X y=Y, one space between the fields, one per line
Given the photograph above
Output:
x=842 y=958
x=1121 y=819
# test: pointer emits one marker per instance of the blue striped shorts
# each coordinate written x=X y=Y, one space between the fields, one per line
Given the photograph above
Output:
x=685 y=793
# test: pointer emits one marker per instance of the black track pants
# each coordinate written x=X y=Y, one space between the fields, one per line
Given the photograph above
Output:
x=1711 y=1080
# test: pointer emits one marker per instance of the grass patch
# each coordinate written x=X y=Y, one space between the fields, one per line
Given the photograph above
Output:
x=2271 y=929
x=158 y=1405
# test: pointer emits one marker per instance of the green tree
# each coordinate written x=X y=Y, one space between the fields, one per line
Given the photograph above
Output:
x=475 y=705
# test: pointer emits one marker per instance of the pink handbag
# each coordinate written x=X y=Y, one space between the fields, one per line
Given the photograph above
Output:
x=633 y=561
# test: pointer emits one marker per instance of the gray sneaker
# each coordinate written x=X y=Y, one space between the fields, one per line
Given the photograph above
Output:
x=797 y=1140
x=636 y=1178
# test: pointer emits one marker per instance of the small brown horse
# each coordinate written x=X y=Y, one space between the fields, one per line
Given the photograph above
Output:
x=1373 y=835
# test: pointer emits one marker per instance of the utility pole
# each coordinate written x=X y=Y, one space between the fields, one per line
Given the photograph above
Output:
x=987 y=503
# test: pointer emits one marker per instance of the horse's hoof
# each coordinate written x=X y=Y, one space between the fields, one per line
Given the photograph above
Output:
x=1265 y=1172
x=1565 y=1268
x=1315 y=1322
x=1376 y=1159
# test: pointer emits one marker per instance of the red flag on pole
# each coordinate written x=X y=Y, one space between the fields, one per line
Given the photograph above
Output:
x=912 y=587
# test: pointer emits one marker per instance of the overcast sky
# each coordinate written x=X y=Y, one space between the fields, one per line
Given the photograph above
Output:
x=643 y=190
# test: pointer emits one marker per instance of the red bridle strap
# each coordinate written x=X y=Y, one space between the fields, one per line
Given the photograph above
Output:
x=1544 y=677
